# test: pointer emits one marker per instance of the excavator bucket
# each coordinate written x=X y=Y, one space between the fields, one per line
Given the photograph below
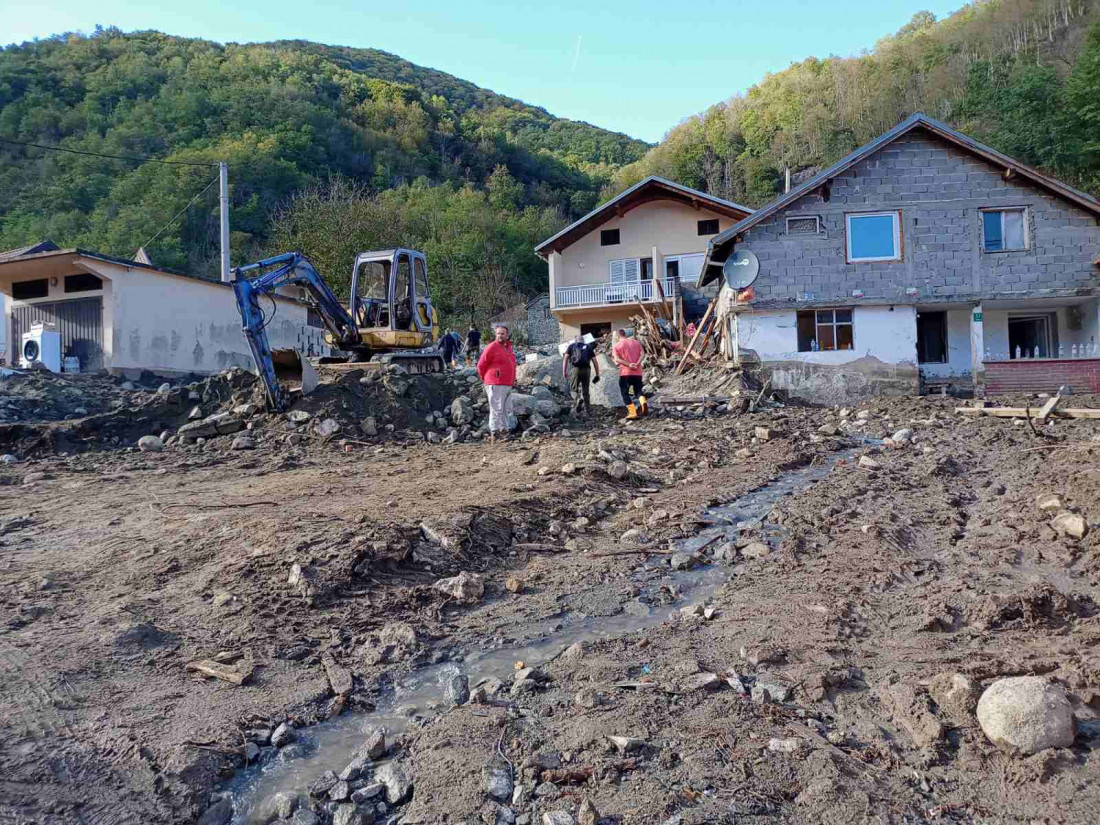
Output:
x=294 y=370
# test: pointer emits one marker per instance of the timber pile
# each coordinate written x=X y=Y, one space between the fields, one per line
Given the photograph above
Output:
x=1048 y=410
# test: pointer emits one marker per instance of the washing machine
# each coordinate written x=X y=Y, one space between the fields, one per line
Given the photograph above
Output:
x=42 y=345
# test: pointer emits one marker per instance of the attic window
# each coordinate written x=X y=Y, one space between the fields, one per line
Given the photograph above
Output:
x=807 y=225
x=708 y=227
x=609 y=237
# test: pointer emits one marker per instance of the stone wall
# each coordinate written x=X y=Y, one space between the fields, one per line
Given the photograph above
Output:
x=542 y=326
x=939 y=190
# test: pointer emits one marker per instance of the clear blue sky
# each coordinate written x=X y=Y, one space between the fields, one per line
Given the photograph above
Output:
x=640 y=67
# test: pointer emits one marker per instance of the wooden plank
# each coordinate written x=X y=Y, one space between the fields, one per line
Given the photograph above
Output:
x=1023 y=412
x=695 y=337
x=208 y=667
x=1048 y=408
x=661 y=294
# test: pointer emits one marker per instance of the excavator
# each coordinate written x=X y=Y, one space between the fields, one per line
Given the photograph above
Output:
x=389 y=316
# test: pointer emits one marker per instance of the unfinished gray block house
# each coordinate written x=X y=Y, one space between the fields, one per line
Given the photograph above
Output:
x=923 y=255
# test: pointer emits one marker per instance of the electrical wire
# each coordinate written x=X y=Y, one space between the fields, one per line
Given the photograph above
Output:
x=190 y=203
x=136 y=158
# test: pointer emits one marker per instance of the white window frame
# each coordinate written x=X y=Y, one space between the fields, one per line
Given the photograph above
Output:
x=895 y=214
x=1002 y=210
x=815 y=218
x=679 y=259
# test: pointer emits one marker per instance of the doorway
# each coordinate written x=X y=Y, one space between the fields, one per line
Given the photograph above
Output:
x=931 y=337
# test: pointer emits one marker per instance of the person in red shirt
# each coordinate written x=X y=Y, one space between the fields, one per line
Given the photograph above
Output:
x=627 y=354
x=497 y=368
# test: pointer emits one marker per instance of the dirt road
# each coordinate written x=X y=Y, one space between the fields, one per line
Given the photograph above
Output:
x=858 y=599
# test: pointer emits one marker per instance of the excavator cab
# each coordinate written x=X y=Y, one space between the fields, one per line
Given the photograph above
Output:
x=390 y=296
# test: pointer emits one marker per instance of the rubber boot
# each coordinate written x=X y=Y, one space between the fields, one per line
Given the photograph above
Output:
x=631 y=411
x=644 y=405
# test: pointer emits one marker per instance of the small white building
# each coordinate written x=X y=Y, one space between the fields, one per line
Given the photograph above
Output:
x=127 y=316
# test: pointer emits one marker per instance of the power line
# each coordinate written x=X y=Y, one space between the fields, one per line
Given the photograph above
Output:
x=112 y=157
x=190 y=203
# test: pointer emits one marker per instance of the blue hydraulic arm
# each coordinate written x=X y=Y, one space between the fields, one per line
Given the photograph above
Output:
x=288 y=269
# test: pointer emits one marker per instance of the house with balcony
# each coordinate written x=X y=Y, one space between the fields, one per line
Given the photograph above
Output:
x=645 y=245
x=922 y=257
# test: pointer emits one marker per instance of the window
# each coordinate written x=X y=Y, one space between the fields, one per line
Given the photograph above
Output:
x=1030 y=336
x=421 y=275
x=647 y=269
x=804 y=225
x=874 y=236
x=1004 y=230
x=708 y=227
x=931 y=337
x=84 y=282
x=26 y=290
x=687 y=267
x=825 y=329
x=609 y=237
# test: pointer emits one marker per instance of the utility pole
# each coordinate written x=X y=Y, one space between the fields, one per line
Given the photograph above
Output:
x=223 y=203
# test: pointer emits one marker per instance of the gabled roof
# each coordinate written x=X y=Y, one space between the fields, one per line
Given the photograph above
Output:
x=34 y=248
x=650 y=189
x=917 y=121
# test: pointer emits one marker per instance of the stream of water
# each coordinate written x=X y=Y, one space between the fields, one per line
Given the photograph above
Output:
x=331 y=745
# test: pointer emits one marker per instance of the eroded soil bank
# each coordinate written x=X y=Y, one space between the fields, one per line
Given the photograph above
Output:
x=881 y=583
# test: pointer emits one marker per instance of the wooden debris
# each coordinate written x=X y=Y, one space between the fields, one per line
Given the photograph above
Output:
x=1026 y=412
x=1048 y=408
x=568 y=776
x=208 y=667
x=698 y=331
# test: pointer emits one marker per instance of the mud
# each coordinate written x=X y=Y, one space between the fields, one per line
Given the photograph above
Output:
x=118 y=568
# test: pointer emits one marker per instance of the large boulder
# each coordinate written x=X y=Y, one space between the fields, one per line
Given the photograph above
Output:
x=606 y=393
x=1027 y=713
x=541 y=371
x=462 y=411
x=524 y=405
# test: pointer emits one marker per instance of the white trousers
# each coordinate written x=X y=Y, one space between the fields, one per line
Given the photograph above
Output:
x=500 y=407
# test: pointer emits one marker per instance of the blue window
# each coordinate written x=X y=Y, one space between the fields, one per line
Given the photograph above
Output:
x=874 y=236
x=1003 y=230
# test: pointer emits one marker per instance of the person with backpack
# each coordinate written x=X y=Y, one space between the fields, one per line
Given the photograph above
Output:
x=447 y=347
x=582 y=358
x=473 y=344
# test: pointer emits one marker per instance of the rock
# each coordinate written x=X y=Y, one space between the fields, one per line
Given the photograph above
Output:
x=701 y=681
x=784 y=745
x=328 y=427
x=164 y=388
x=196 y=414
x=902 y=436
x=557 y=818
x=244 y=442
x=691 y=610
x=375 y=746
x=762 y=433
x=830 y=430
x=354 y=769
x=756 y=550
x=497 y=779
x=587 y=813
x=682 y=561
x=8 y=458
x=868 y=463
x=340 y=792
x=1070 y=524
x=726 y=552
x=1048 y=502
x=283 y=735
x=350 y=814
x=150 y=444
x=465 y=587
x=734 y=681
x=587 y=698
x=323 y=784
x=956 y=695
x=1028 y=714
x=129 y=386
x=396 y=780
x=368 y=792
x=862 y=415
x=568 y=469
x=220 y=813
x=435 y=438
x=514 y=585
x=304 y=816
x=458 y=690
x=369 y=427
x=744 y=452
x=462 y=411
x=768 y=688
x=279 y=806
x=626 y=744
x=634 y=536
x=618 y=470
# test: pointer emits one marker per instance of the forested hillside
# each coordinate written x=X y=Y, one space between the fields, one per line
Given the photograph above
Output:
x=1021 y=75
x=288 y=117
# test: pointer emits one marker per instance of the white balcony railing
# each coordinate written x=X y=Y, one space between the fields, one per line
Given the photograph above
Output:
x=630 y=292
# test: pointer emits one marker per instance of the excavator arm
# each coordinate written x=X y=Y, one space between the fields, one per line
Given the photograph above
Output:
x=288 y=269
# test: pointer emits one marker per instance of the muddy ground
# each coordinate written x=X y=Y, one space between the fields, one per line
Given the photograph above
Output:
x=882 y=582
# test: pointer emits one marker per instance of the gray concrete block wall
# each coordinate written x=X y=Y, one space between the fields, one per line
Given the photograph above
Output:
x=939 y=190
x=542 y=326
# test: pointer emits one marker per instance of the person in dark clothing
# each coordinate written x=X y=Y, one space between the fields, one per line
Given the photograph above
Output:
x=581 y=358
x=473 y=344
x=447 y=347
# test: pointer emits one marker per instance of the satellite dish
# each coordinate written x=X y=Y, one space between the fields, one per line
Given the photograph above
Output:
x=741 y=269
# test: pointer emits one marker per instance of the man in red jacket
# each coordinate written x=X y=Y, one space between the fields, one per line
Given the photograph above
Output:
x=497 y=368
